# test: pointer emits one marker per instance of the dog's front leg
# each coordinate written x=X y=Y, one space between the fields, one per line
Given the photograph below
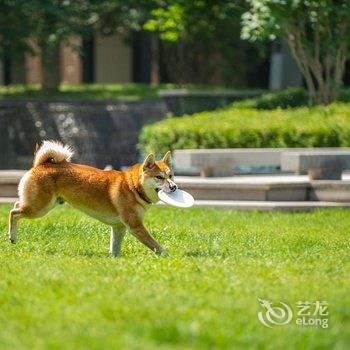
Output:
x=117 y=235
x=141 y=233
x=133 y=221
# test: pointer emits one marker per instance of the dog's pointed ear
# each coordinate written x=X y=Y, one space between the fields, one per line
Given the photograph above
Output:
x=148 y=162
x=167 y=158
x=36 y=148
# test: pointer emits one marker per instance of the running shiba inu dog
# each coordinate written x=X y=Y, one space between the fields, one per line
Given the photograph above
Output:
x=116 y=198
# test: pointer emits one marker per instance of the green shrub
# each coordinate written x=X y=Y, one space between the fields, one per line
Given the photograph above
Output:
x=292 y=97
x=321 y=126
x=287 y=98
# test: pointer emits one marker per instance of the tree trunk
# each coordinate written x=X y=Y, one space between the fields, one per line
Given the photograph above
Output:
x=50 y=66
x=17 y=67
x=305 y=70
x=155 y=58
x=323 y=70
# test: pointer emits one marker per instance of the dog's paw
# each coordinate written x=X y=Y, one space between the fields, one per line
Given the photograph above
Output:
x=164 y=253
x=114 y=255
x=12 y=239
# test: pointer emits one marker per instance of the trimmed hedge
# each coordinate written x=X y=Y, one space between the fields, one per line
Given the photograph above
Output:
x=287 y=98
x=321 y=126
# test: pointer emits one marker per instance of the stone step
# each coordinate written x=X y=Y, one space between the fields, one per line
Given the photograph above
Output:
x=9 y=180
x=275 y=188
x=267 y=188
x=249 y=205
x=247 y=191
x=224 y=162
x=271 y=205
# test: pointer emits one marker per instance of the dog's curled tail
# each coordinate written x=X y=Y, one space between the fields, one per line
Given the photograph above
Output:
x=52 y=152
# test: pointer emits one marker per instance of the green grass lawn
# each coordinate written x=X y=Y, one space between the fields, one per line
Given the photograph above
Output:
x=129 y=91
x=59 y=289
x=125 y=91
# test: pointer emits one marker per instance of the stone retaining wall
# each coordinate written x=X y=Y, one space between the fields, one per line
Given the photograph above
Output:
x=101 y=132
x=182 y=101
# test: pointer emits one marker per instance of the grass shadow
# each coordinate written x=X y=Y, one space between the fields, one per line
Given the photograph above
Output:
x=198 y=253
x=75 y=253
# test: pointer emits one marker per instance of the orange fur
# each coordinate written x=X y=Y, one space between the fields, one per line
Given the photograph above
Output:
x=117 y=198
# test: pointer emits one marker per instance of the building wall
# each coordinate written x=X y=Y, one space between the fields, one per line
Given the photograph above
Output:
x=17 y=69
x=33 y=66
x=284 y=71
x=71 y=62
x=33 y=70
x=113 y=60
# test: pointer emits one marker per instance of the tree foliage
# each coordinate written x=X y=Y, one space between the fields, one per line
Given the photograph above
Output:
x=47 y=23
x=317 y=32
x=15 y=25
x=202 y=40
x=176 y=19
x=198 y=36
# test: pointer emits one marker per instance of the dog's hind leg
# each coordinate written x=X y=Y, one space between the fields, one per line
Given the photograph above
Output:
x=117 y=235
x=37 y=197
x=20 y=211
x=37 y=204
x=15 y=214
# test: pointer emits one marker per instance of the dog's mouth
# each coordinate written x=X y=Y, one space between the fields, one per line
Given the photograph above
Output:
x=166 y=190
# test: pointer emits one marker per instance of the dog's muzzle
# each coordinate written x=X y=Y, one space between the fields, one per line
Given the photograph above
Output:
x=170 y=187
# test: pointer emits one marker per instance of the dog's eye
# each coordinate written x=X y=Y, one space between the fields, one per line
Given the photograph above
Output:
x=159 y=177
x=170 y=176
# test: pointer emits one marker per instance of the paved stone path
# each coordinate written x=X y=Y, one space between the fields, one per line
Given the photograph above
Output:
x=15 y=175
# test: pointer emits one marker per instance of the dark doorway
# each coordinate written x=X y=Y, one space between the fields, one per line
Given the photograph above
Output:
x=88 y=60
x=142 y=57
x=7 y=70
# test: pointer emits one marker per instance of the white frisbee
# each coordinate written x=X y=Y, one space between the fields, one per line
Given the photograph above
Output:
x=177 y=198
